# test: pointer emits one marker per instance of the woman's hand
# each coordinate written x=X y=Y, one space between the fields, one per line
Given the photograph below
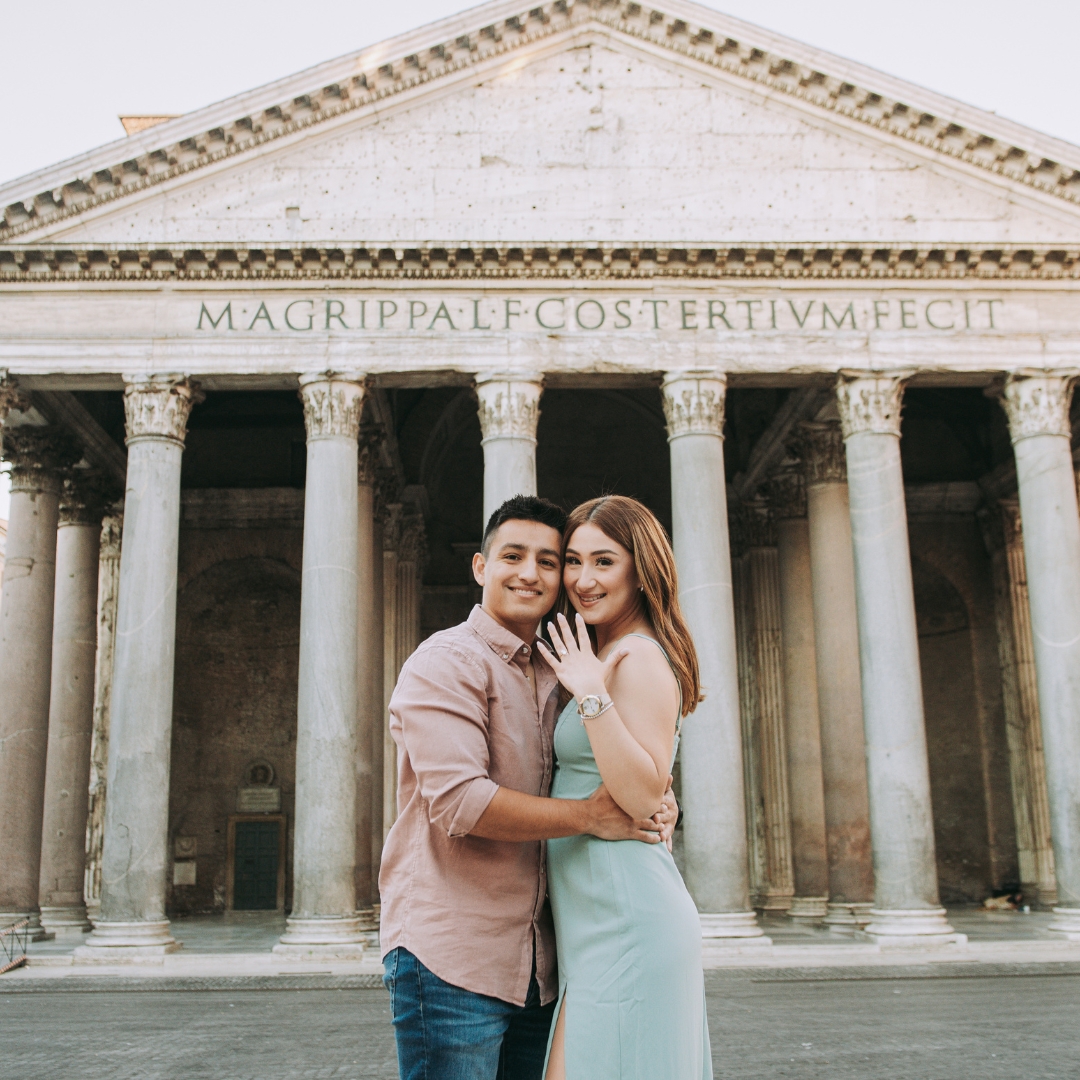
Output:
x=576 y=665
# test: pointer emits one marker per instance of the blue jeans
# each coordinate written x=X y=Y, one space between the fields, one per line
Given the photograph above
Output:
x=446 y=1033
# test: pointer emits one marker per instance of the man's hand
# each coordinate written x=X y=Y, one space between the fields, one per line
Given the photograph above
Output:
x=608 y=821
x=667 y=816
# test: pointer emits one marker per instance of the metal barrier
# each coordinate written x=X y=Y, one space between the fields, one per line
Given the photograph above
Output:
x=13 y=943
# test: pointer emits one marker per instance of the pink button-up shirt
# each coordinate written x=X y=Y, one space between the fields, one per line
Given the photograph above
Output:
x=466 y=722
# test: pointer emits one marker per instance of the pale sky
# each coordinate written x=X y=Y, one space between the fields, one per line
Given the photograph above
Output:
x=70 y=68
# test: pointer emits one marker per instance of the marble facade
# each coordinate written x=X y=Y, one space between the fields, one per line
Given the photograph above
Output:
x=822 y=321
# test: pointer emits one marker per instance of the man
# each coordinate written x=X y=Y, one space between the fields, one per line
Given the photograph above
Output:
x=467 y=939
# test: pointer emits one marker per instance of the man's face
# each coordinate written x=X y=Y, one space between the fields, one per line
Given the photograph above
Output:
x=521 y=572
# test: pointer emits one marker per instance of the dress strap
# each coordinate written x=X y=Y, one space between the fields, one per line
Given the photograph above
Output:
x=645 y=637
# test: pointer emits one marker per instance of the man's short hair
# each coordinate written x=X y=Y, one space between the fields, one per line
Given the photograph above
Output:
x=524 y=508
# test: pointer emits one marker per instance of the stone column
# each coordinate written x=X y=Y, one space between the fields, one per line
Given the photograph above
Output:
x=836 y=638
x=765 y=602
x=509 y=411
x=131 y=921
x=38 y=455
x=1020 y=698
x=108 y=592
x=1037 y=405
x=714 y=829
x=71 y=705
x=378 y=704
x=324 y=921
x=906 y=909
x=809 y=846
x=391 y=531
x=368 y=654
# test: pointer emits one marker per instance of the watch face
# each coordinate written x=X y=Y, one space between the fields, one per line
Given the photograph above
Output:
x=590 y=705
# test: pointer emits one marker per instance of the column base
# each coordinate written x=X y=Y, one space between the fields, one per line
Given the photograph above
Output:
x=66 y=922
x=775 y=901
x=735 y=927
x=127 y=942
x=335 y=937
x=1065 y=923
x=846 y=918
x=906 y=928
x=808 y=909
x=34 y=932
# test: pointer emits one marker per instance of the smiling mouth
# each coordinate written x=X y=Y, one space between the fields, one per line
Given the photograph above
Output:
x=526 y=592
x=588 y=601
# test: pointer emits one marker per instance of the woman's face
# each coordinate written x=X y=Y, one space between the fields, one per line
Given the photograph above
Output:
x=599 y=576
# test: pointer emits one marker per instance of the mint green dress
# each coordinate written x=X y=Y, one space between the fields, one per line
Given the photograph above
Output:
x=629 y=943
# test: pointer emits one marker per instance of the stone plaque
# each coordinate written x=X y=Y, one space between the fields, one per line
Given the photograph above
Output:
x=184 y=872
x=258 y=800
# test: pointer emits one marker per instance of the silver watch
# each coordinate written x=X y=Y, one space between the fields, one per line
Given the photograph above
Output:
x=592 y=705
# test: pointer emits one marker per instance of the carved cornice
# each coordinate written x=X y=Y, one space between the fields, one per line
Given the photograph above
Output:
x=381 y=77
x=787 y=492
x=333 y=403
x=86 y=496
x=158 y=407
x=39 y=457
x=1037 y=403
x=556 y=260
x=820 y=447
x=870 y=403
x=509 y=406
x=694 y=403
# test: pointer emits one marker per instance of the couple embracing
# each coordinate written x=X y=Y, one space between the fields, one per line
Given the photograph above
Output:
x=534 y=925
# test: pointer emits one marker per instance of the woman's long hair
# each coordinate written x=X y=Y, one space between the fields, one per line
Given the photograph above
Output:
x=636 y=528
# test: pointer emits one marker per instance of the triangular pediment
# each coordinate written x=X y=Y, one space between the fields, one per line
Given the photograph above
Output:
x=575 y=123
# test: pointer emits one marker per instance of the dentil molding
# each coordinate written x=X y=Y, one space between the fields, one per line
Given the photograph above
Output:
x=509 y=406
x=158 y=407
x=1037 y=403
x=333 y=403
x=870 y=403
x=694 y=403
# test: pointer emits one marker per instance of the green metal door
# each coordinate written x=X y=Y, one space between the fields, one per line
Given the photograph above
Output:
x=256 y=881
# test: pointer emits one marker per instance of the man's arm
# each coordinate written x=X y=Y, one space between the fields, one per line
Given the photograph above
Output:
x=515 y=816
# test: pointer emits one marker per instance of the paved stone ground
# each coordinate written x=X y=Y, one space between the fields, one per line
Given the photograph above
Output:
x=891 y=1024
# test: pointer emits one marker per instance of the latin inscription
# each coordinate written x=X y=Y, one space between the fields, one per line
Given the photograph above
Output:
x=575 y=314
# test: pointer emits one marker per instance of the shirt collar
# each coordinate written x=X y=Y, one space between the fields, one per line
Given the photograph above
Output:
x=505 y=645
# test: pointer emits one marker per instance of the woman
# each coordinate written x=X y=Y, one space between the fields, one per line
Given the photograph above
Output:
x=631 y=994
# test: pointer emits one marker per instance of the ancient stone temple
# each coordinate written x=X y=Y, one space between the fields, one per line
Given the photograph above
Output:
x=267 y=366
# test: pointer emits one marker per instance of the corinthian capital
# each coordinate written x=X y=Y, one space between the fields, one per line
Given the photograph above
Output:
x=694 y=403
x=11 y=397
x=158 y=407
x=86 y=496
x=333 y=402
x=39 y=457
x=820 y=446
x=787 y=493
x=1037 y=403
x=870 y=402
x=370 y=440
x=509 y=405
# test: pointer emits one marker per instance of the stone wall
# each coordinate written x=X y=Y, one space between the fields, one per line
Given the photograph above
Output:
x=238 y=631
x=965 y=721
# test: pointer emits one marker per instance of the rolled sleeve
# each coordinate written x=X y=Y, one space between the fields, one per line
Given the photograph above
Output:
x=439 y=715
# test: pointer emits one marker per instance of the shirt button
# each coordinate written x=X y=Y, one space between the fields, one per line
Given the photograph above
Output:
x=506 y=656
x=525 y=649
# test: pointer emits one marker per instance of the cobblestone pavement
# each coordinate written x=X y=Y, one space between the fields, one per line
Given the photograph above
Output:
x=891 y=1024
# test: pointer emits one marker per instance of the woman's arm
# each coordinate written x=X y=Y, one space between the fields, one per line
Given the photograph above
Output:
x=631 y=741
